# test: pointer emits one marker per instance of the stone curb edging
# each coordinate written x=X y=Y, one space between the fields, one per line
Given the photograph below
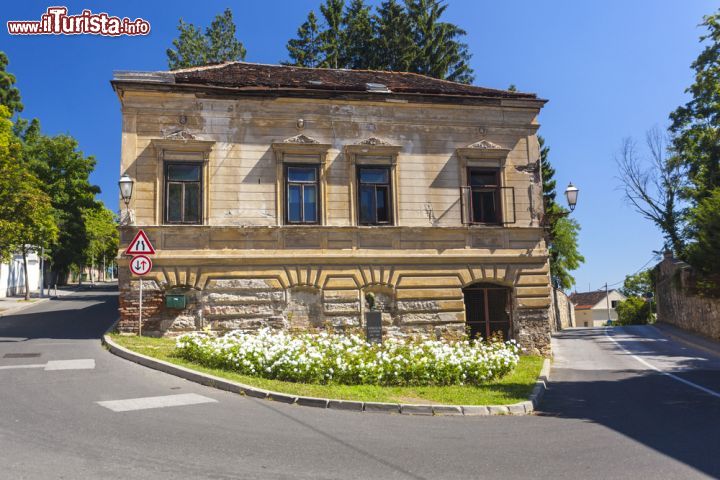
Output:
x=521 y=408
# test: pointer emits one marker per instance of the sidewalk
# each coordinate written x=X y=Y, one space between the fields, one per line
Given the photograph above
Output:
x=11 y=305
x=689 y=338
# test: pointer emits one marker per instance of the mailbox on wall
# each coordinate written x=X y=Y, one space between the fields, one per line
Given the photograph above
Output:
x=175 y=300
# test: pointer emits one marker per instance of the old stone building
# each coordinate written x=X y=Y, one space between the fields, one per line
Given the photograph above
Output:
x=281 y=196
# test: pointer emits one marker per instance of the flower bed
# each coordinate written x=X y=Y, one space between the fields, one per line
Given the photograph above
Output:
x=324 y=358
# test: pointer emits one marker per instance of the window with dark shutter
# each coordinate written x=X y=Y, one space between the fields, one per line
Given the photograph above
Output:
x=484 y=186
x=183 y=193
x=374 y=196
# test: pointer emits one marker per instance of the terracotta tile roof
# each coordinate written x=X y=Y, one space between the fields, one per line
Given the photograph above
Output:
x=587 y=300
x=254 y=76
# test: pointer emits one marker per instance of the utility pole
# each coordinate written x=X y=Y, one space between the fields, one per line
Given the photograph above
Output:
x=607 y=303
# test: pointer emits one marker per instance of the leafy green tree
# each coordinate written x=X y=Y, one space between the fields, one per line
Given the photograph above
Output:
x=438 y=52
x=333 y=36
x=26 y=216
x=9 y=94
x=102 y=235
x=562 y=231
x=218 y=44
x=704 y=252
x=696 y=125
x=696 y=144
x=633 y=311
x=305 y=50
x=637 y=285
x=398 y=37
x=64 y=174
x=393 y=42
x=357 y=23
x=12 y=176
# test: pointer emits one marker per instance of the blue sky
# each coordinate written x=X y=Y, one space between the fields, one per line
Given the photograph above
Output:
x=610 y=69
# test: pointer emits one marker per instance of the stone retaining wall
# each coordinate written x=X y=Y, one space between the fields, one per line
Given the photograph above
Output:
x=677 y=305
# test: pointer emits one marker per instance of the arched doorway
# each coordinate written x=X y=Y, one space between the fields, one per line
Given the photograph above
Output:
x=487 y=310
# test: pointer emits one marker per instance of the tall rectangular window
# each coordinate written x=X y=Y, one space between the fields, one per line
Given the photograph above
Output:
x=484 y=184
x=183 y=193
x=374 y=196
x=301 y=191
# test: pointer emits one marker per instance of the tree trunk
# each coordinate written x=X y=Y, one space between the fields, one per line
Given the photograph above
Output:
x=27 y=280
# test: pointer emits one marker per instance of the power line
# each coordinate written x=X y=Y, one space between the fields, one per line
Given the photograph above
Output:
x=653 y=258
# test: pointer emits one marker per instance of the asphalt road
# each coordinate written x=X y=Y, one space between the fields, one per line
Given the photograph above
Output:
x=608 y=414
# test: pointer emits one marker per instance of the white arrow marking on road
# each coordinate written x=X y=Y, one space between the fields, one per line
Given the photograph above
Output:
x=145 y=403
x=659 y=370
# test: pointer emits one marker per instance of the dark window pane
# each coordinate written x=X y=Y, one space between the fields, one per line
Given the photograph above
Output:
x=174 y=204
x=476 y=206
x=185 y=173
x=382 y=200
x=374 y=175
x=192 y=203
x=294 y=203
x=489 y=212
x=310 y=200
x=367 y=204
x=302 y=174
x=481 y=178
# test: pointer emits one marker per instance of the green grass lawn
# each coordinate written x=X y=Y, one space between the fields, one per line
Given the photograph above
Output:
x=513 y=388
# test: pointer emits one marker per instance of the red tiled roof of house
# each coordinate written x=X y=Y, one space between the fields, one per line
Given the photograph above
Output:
x=254 y=76
x=586 y=300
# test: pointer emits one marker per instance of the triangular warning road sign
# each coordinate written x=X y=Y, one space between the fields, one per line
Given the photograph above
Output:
x=140 y=245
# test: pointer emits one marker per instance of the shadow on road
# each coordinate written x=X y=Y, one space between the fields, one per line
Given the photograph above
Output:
x=644 y=405
x=68 y=320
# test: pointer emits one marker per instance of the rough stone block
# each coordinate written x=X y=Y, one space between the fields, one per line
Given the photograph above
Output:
x=239 y=310
x=416 y=409
x=379 y=407
x=280 y=397
x=447 y=410
x=516 y=409
x=246 y=297
x=344 y=307
x=243 y=283
x=345 y=405
x=475 y=410
x=312 y=402
x=498 y=410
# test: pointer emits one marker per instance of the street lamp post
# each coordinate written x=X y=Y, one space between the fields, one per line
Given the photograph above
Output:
x=571 y=195
x=126 y=190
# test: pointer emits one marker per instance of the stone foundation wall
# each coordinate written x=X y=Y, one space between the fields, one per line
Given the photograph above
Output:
x=414 y=300
x=677 y=305
x=562 y=311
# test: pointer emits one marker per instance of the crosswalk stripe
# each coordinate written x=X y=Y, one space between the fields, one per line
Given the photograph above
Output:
x=81 y=364
x=12 y=367
x=145 y=403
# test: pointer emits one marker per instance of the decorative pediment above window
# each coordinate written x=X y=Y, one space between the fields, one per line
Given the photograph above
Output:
x=483 y=149
x=178 y=148
x=300 y=145
x=182 y=134
x=373 y=146
x=301 y=139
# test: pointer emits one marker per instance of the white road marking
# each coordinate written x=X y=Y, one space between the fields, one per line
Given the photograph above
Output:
x=11 y=367
x=653 y=367
x=155 y=402
x=82 y=364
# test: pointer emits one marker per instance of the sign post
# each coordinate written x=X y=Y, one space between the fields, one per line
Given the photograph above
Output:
x=140 y=264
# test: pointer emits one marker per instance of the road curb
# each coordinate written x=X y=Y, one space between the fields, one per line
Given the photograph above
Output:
x=520 y=408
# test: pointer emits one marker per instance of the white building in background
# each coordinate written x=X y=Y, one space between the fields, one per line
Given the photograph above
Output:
x=12 y=275
x=591 y=308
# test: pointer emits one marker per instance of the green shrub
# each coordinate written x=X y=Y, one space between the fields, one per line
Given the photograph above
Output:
x=633 y=311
